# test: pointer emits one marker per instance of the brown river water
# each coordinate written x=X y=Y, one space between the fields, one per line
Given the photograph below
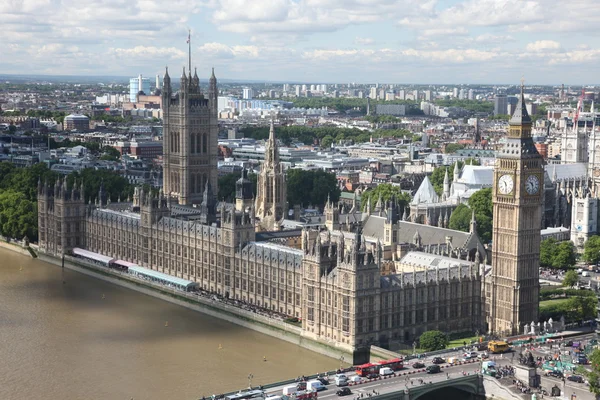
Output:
x=88 y=339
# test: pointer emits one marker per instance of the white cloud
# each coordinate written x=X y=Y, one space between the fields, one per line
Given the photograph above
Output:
x=543 y=45
x=363 y=41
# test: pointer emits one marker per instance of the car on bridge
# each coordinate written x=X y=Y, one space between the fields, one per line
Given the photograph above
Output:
x=418 y=365
x=345 y=391
x=433 y=369
x=438 y=360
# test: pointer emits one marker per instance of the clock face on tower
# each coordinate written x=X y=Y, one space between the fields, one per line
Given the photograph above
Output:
x=532 y=184
x=506 y=184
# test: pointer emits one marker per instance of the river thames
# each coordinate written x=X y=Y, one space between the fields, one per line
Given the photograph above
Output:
x=88 y=339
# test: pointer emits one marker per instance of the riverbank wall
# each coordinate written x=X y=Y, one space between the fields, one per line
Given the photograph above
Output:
x=17 y=247
x=268 y=326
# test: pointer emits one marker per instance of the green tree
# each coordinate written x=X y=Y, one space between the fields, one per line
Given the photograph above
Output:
x=591 y=250
x=18 y=215
x=115 y=185
x=547 y=248
x=593 y=374
x=326 y=142
x=453 y=148
x=110 y=154
x=481 y=202
x=571 y=278
x=565 y=255
x=433 y=340
x=460 y=219
x=311 y=187
x=386 y=191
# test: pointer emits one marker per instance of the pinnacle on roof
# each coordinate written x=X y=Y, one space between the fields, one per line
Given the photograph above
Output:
x=520 y=116
x=212 y=75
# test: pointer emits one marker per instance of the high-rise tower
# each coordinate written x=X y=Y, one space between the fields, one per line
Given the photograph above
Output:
x=517 y=198
x=271 y=199
x=190 y=133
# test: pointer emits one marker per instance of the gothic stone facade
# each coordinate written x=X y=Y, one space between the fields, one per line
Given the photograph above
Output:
x=334 y=285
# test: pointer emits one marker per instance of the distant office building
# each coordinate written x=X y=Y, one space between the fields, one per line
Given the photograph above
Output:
x=471 y=94
x=298 y=90
x=391 y=109
x=312 y=88
x=512 y=104
x=401 y=95
x=248 y=94
x=373 y=93
x=77 y=121
x=532 y=108
x=324 y=88
x=389 y=96
x=462 y=94
x=428 y=95
x=500 y=105
x=416 y=95
x=455 y=92
x=136 y=85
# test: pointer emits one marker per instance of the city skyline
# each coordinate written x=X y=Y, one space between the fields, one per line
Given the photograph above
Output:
x=388 y=41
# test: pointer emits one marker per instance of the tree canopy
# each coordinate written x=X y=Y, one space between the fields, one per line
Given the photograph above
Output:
x=591 y=250
x=571 y=278
x=386 y=191
x=593 y=374
x=453 y=148
x=311 y=187
x=18 y=215
x=433 y=340
x=481 y=203
x=461 y=218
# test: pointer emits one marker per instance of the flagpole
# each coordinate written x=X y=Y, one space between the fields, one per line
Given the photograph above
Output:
x=190 y=50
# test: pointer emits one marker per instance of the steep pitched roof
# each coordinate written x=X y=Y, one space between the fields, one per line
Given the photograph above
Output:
x=425 y=194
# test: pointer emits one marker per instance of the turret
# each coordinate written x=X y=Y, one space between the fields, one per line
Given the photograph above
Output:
x=456 y=172
x=473 y=223
x=102 y=196
x=212 y=87
x=184 y=80
x=208 y=206
x=166 y=82
x=446 y=193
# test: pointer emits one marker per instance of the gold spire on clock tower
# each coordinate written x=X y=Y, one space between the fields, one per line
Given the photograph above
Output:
x=517 y=200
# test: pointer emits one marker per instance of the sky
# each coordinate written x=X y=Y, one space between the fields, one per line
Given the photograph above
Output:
x=320 y=41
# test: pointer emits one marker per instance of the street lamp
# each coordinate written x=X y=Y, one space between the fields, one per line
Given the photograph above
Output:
x=250 y=376
x=341 y=360
x=414 y=348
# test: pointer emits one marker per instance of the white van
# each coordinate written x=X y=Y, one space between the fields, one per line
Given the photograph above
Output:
x=341 y=380
x=289 y=390
x=585 y=274
x=386 y=371
x=315 y=385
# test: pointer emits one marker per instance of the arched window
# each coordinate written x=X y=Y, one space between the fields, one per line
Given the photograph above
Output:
x=193 y=144
x=198 y=143
x=204 y=144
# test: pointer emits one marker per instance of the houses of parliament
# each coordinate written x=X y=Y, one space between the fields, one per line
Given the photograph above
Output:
x=360 y=278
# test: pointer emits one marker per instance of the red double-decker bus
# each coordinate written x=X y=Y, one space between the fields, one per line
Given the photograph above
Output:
x=373 y=368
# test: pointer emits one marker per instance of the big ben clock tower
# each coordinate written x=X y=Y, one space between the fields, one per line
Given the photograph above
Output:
x=517 y=199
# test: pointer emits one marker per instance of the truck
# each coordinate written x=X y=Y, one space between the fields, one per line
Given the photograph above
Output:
x=498 y=346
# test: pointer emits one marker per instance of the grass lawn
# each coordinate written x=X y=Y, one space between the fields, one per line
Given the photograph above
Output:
x=552 y=302
x=460 y=342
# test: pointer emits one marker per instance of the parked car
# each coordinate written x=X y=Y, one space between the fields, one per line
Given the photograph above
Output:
x=483 y=355
x=418 y=365
x=575 y=378
x=469 y=355
x=344 y=391
x=433 y=369
x=438 y=360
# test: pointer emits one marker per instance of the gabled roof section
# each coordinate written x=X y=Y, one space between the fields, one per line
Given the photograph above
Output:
x=425 y=194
